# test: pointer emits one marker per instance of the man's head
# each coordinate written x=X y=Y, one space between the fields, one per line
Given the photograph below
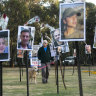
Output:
x=45 y=43
x=25 y=36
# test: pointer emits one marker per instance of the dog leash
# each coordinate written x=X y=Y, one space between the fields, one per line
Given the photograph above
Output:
x=43 y=67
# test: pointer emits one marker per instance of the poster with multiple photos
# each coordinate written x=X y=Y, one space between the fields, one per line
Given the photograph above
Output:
x=94 y=45
x=4 y=45
x=25 y=37
x=72 y=21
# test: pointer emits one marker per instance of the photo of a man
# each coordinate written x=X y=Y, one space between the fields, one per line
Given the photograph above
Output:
x=25 y=38
x=72 y=24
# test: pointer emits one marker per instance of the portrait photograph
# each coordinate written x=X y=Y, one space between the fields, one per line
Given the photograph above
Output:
x=4 y=45
x=94 y=45
x=56 y=38
x=88 y=49
x=25 y=37
x=72 y=21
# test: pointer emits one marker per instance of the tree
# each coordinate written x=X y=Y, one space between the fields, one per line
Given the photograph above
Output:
x=18 y=14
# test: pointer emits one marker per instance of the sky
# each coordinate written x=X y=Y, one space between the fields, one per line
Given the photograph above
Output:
x=92 y=1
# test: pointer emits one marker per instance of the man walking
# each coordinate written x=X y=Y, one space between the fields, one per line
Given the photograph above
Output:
x=45 y=56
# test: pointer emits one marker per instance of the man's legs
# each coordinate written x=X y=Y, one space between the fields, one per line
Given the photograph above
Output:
x=45 y=72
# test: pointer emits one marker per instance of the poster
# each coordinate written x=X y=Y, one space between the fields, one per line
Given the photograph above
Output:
x=72 y=21
x=35 y=49
x=4 y=45
x=88 y=49
x=25 y=38
x=20 y=53
x=35 y=62
x=94 y=45
x=65 y=48
x=56 y=38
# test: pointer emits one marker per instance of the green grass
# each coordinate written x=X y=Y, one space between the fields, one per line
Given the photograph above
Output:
x=13 y=87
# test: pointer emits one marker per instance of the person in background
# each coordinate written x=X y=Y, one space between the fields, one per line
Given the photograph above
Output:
x=44 y=55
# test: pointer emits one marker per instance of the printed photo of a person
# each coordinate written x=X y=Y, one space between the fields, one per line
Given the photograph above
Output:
x=56 y=38
x=72 y=22
x=3 y=45
x=94 y=45
x=88 y=49
x=25 y=38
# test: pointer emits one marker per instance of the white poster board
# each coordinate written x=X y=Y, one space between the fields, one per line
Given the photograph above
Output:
x=25 y=38
x=35 y=62
x=56 y=38
x=4 y=45
x=72 y=21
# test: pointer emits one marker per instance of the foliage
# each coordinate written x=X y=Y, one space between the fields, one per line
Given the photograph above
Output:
x=20 y=11
x=18 y=14
x=90 y=22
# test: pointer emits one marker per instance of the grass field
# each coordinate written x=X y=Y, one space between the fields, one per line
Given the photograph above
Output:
x=13 y=87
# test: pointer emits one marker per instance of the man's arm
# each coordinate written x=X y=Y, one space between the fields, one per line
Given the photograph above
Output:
x=39 y=54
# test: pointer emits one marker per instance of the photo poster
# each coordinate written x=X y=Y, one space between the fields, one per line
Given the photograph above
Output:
x=56 y=38
x=35 y=62
x=35 y=49
x=65 y=48
x=88 y=49
x=25 y=40
x=4 y=45
x=52 y=50
x=94 y=45
x=72 y=21
x=20 y=53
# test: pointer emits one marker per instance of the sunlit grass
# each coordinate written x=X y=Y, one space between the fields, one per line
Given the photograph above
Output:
x=13 y=87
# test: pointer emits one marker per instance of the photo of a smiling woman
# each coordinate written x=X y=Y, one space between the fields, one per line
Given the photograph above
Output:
x=70 y=22
x=3 y=46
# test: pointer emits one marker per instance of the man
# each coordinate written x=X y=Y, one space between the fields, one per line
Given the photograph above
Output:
x=25 y=37
x=45 y=56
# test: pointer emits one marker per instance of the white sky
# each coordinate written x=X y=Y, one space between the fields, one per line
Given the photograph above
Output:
x=92 y=1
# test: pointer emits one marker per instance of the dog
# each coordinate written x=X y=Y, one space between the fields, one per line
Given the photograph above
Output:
x=33 y=73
